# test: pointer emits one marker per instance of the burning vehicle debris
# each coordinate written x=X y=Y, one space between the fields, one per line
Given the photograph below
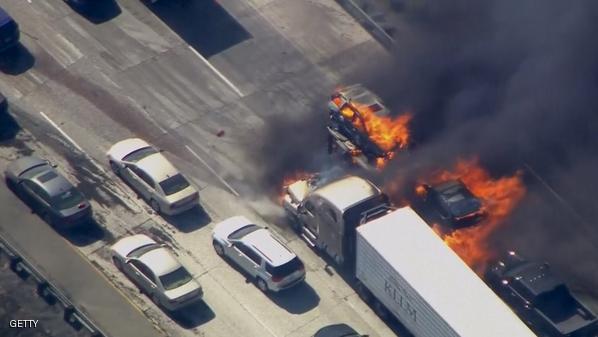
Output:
x=453 y=203
x=362 y=129
x=475 y=205
x=325 y=212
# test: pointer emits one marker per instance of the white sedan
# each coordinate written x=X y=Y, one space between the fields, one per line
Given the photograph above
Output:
x=152 y=176
x=156 y=272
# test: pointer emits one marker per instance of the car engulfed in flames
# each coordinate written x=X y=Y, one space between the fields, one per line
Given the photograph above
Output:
x=499 y=197
x=361 y=127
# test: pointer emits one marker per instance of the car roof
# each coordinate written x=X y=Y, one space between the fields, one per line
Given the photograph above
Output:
x=52 y=182
x=160 y=261
x=536 y=277
x=274 y=251
x=362 y=95
x=17 y=167
x=348 y=191
x=157 y=167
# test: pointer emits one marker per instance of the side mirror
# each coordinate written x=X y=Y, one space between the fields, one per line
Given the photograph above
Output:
x=51 y=164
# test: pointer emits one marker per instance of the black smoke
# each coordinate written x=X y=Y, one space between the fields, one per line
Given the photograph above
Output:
x=513 y=82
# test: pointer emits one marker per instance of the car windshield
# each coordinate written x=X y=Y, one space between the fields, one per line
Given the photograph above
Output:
x=461 y=206
x=67 y=199
x=557 y=304
x=143 y=249
x=241 y=232
x=174 y=184
x=175 y=279
x=285 y=269
x=139 y=154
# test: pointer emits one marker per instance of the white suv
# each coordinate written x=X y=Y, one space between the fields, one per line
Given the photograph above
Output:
x=270 y=263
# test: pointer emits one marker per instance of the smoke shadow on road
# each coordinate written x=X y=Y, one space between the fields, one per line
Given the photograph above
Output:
x=204 y=25
x=98 y=12
x=190 y=220
x=297 y=300
x=193 y=315
x=16 y=61
x=8 y=127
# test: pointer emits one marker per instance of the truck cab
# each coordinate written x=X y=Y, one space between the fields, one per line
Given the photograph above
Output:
x=326 y=214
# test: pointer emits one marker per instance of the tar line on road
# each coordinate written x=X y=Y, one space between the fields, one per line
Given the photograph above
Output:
x=217 y=72
x=230 y=188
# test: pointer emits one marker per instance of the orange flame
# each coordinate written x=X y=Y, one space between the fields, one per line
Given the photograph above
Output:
x=500 y=197
x=389 y=133
x=291 y=178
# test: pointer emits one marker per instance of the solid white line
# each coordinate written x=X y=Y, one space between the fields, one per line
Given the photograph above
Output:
x=64 y=134
x=217 y=72
x=230 y=188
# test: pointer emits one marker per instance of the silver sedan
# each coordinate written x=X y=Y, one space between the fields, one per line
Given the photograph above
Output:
x=152 y=176
x=156 y=272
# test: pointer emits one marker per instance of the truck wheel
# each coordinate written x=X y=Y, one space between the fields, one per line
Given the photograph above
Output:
x=293 y=221
x=363 y=293
x=262 y=285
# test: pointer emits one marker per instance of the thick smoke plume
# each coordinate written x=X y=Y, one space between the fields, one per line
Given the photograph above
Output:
x=514 y=82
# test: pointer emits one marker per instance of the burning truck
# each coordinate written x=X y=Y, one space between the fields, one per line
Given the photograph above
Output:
x=350 y=220
x=362 y=129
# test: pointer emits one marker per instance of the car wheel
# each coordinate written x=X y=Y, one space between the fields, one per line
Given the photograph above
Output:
x=261 y=284
x=156 y=300
x=218 y=248
x=155 y=206
x=114 y=167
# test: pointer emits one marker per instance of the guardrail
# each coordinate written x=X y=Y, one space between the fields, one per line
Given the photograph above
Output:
x=374 y=21
x=51 y=294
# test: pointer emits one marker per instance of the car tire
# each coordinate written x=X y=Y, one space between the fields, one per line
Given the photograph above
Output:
x=114 y=167
x=156 y=300
x=218 y=248
x=262 y=285
x=155 y=206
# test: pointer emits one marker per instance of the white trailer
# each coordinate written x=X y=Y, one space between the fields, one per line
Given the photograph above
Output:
x=416 y=277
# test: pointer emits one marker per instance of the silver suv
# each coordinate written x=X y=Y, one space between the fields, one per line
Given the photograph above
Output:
x=270 y=263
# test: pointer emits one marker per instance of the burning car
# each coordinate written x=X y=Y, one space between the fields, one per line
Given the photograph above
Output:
x=540 y=298
x=455 y=205
x=362 y=128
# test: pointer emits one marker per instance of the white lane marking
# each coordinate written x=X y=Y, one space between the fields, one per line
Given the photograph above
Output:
x=64 y=134
x=217 y=72
x=230 y=188
x=124 y=199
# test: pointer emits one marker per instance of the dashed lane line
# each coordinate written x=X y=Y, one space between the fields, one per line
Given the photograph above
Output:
x=230 y=188
x=217 y=72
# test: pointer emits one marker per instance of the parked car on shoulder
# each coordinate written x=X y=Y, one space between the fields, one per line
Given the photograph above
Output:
x=543 y=301
x=49 y=193
x=9 y=31
x=259 y=253
x=338 y=330
x=156 y=272
x=152 y=176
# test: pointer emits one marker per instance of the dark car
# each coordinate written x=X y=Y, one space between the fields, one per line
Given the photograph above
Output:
x=454 y=203
x=53 y=197
x=338 y=330
x=543 y=301
x=3 y=104
x=9 y=31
